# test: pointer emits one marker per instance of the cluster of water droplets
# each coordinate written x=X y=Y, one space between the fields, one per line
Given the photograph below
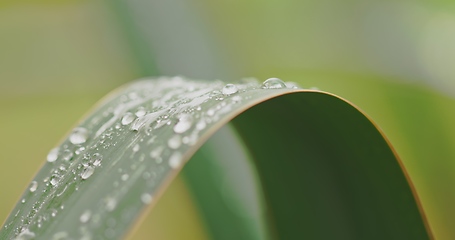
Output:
x=138 y=136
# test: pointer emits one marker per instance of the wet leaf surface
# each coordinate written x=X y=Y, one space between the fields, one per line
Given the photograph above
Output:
x=322 y=163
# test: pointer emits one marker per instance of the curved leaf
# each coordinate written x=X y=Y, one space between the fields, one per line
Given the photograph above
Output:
x=326 y=171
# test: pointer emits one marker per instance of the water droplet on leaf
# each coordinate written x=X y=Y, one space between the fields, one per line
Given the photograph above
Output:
x=175 y=160
x=54 y=180
x=229 y=89
x=52 y=155
x=85 y=216
x=273 y=83
x=146 y=198
x=136 y=148
x=97 y=158
x=79 y=135
x=125 y=177
x=201 y=125
x=87 y=172
x=184 y=123
x=127 y=118
x=141 y=112
x=111 y=203
x=33 y=186
x=67 y=155
x=175 y=141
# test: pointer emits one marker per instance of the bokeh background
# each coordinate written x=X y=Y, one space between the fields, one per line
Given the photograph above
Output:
x=394 y=59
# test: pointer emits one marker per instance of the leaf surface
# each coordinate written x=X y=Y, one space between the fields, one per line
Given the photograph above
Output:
x=325 y=170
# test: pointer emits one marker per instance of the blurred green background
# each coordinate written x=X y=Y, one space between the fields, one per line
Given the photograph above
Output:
x=394 y=59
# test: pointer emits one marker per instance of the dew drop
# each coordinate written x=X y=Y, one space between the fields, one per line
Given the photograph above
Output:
x=85 y=216
x=214 y=94
x=79 y=135
x=97 y=158
x=273 y=83
x=33 y=186
x=67 y=155
x=236 y=99
x=136 y=148
x=127 y=118
x=79 y=150
x=211 y=112
x=146 y=198
x=125 y=177
x=184 y=123
x=54 y=180
x=201 y=125
x=140 y=112
x=111 y=203
x=229 y=89
x=156 y=153
x=175 y=141
x=52 y=155
x=175 y=160
x=87 y=172
x=53 y=212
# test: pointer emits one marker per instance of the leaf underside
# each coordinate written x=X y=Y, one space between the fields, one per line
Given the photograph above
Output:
x=325 y=170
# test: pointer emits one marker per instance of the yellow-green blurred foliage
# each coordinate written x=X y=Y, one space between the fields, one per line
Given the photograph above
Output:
x=394 y=59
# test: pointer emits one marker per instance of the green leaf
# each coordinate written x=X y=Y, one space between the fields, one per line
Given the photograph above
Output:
x=324 y=168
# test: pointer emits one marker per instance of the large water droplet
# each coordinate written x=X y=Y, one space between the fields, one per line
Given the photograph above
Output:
x=87 y=172
x=79 y=135
x=273 y=83
x=52 y=155
x=146 y=198
x=175 y=141
x=33 y=186
x=85 y=216
x=175 y=160
x=229 y=89
x=184 y=123
x=127 y=118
